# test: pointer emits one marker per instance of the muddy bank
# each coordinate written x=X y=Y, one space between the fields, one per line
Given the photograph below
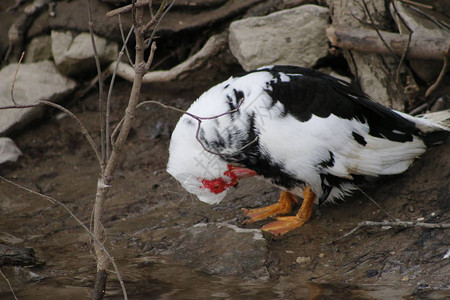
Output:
x=169 y=245
x=148 y=216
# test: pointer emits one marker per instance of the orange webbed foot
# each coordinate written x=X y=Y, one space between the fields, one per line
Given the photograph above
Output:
x=285 y=224
x=283 y=206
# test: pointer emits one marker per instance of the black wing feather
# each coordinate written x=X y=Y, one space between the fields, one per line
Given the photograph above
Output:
x=311 y=92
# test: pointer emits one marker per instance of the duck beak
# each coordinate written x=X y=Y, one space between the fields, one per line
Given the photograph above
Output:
x=241 y=172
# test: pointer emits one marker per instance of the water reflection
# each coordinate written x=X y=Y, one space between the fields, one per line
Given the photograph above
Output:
x=155 y=278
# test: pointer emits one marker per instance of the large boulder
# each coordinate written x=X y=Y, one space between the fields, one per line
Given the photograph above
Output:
x=293 y=36
x=39 y=49
x=74 y=53
x=34 y=81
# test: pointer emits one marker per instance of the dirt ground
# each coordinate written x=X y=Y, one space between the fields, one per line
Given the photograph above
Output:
x=147 y=209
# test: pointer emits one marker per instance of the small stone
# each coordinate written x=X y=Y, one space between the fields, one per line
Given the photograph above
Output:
x=405 y=278
x=420 y=219
x=289 y=251
x=321 y=255
x=303 y=259
x=371 y=273
x=8 y=150
x=423 y=285
x=220 y=295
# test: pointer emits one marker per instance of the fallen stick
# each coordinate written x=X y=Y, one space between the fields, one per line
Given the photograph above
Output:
x=365 y=40
x=398 y=223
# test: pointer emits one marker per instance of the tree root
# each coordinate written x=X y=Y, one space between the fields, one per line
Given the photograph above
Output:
x=212 y=48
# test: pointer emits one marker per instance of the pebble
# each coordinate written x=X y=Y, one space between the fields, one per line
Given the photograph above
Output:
x=303 y=259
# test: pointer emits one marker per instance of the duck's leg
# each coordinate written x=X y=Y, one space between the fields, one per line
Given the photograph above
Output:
x=285 y=224
x=283 y=206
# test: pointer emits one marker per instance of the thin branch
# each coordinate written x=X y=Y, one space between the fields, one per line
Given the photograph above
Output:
x=100 y=86
x=84 y=130
x=199 y=120
x=125 y=40
x=155 y=18
x=379 y=206
x=441 y=74
x=150 y=8
x=417 y=4
x=209 y=51
x=152 y=36
x=9 y=285
x=402 y=58
x=110 y=90
x=100 y=244
x=398 y=223
x=151 y=56
x=127 y=8
x=419 y=109
x=375 y=27
x=15 y=77
x=410 y=32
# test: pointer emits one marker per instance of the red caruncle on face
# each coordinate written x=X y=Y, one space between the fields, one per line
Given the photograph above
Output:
x=229 y=179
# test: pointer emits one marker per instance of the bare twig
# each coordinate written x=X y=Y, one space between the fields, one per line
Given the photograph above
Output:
x=83 y=128
x=419 y=109
x=210 y=50
x=378 y=205
x=100 y=86
x=125 y=40
x=111 y=86
x=441 y=74
x=375 y=27
x=9 y=285
x=99 y=243
x=156 y=17
x=152 y=36
x=402 y=58
x=199 y=123
x=15 y=77
x=397 y=223
x=127 y=8
x=140 y=68
x=417 y=4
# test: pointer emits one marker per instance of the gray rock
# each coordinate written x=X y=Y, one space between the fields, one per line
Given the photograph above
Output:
x=224 y=249
x=39 y=49
x=427 y=70
x=74 y=54
x=34 y=81
x=293 y=36
x=8 y=150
